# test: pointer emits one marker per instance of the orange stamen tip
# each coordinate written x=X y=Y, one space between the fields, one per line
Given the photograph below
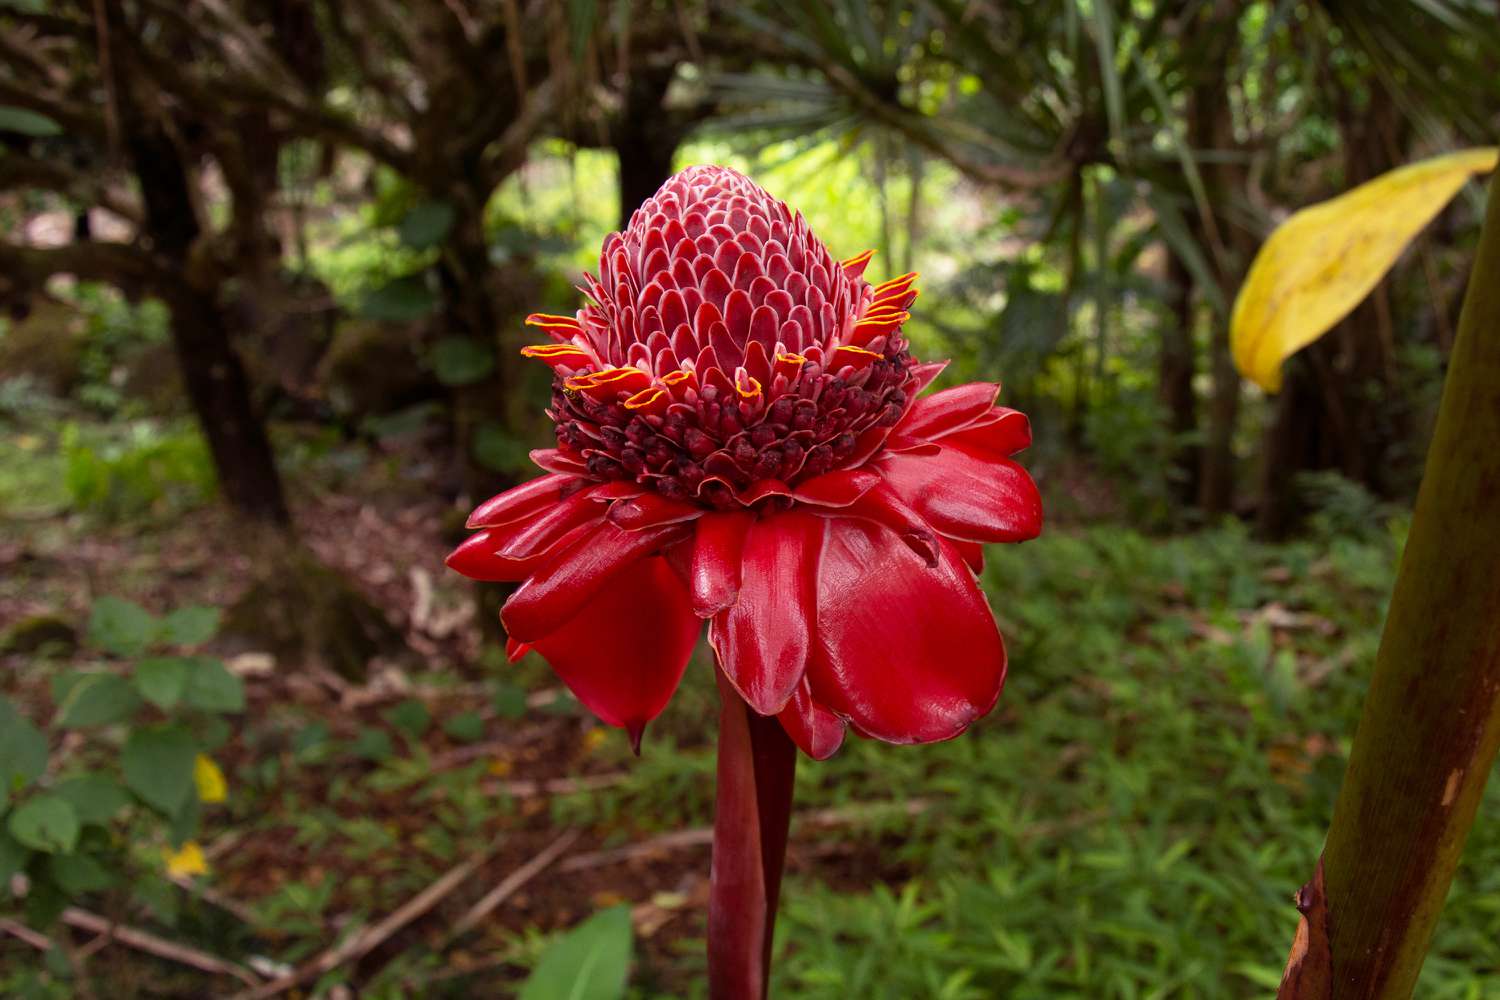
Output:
x=754 y=386
x=848 y=354
x=679 y=376
x=907 y=279
x=791 y=359
x=890 y=317
x=646 y=398
x=548 y=319
x=857 y=259
x=549 y=352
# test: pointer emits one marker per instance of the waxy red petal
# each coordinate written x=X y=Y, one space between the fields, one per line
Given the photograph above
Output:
x=623 y=652
x=906 y=654
x=651 y=510
x=816 y=730
x=541 y=533
x=968 y=494
x=715 y=572
x=762 y=639
x=567 y=581
x=1004 y=432
x=944 y=412
x=837 y=489
x=883 y=506
x=520 y=502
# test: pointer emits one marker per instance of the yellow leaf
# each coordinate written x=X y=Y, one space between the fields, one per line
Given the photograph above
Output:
x=186 y=860
x=210 y=780
x=1322 y=261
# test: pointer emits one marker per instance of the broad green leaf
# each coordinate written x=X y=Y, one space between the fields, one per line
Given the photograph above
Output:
x=23 y=749
x=121 y=627
x=510 y=700
x=425 y=224
x=372 y=744
x=162 y=680
x=466 y=727
x=589 y=962
x=401 y=300
x=461 y=361
x=79 y=873
x=211 y=687
x=27 y=122
x=1320 y=263
x=190 y=626
x=95 y=798
x=97 y=700
x=12 y=856
x=46 y=823
x=158 y=765
x=409 y=716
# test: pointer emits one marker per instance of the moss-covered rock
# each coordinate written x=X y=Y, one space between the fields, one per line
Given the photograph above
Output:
x=46 y=344
x=373 y=369
x=302 y=611
x=40 y=633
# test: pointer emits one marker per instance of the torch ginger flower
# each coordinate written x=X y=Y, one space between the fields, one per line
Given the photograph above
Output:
x=740 y=438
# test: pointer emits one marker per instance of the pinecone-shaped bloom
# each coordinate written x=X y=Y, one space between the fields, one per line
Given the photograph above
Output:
x=740 y=438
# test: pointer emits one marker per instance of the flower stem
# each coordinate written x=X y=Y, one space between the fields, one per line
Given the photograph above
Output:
x=752 y=810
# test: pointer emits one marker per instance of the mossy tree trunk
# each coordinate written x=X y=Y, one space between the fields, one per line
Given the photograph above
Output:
x=1431 y=723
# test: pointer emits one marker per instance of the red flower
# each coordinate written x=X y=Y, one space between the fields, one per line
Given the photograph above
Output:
x=740 y=439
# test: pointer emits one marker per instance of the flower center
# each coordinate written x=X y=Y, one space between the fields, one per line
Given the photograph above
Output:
x=712 y=442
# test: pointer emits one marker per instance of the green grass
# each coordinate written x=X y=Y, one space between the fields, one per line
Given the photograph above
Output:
x=1135 y=817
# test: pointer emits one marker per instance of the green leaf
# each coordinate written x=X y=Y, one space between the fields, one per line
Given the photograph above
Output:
x=79 y=873
x=589 y=962
x=23 y=749
x=410 y=717
x=498 y=449
x=425 y=224
x=465 y=727
x=211 y=687
x=461 y=361
x=46 y=823
x=401 y=300
x=158 y=766
x=191 y=626
x=372 y=744
x=98 y=699
x=120 y=627
x=161 y=680
x=510 y=701
x=27 y=122
x=95 y=798
x=12 y=856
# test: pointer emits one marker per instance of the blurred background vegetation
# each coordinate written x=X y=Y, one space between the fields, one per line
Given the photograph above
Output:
x=263 y=271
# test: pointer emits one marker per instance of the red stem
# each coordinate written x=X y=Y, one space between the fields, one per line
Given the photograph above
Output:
x=752 y=810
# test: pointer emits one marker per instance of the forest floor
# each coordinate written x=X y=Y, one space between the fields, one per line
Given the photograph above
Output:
x=1131 y=821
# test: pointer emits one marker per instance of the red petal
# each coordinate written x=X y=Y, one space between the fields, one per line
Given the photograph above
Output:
x=624 y=651
x=518 y=503
x=762 y=639
x=651 y=510
x=566 y=582
x=972 y=552
x=540 y=534
x=883 y=506
x=907 y=654
x=837 y=489
x=478 y=557
x=717 y=545
x=1003 y=433
x=816 y=731
x=554 y=460
x=945 y=412
x=968 y=494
